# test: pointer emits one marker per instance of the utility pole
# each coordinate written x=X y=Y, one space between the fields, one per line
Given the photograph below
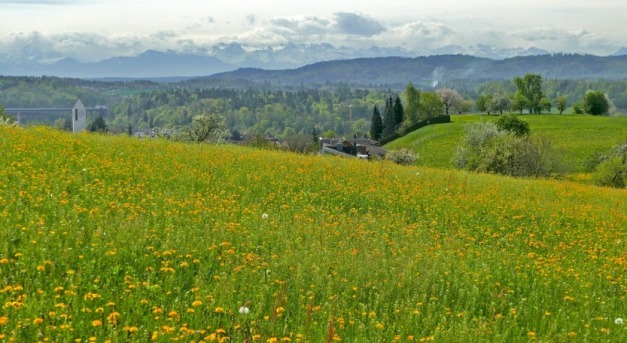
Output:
x=350 y=112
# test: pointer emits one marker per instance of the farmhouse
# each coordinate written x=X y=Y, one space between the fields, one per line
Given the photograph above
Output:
x=359 y=148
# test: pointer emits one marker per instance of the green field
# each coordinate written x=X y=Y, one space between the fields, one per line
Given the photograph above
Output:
x=578 y=136
x=106 y=238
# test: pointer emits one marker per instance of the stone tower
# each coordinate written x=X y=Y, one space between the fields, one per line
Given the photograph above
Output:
x=79 y=117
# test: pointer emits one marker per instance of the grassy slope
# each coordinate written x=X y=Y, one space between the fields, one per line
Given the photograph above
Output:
x=122 y=239
x=577 y=135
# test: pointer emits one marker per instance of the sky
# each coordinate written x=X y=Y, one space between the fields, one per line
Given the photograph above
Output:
x=93 y=30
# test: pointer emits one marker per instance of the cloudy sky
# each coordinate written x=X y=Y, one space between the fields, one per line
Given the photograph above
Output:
x=91 y=30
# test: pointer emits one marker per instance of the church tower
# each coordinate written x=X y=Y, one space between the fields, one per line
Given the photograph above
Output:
x=79 y=117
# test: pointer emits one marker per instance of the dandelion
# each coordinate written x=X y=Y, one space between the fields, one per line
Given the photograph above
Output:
x=219 y=310
x=96 y=323
x=113 y=318
x=619 y=321
x=37 y=321
x=4 y=320
x=279 y=311
x=264 y=216
x=244 y=310
x=197 y=303
x=131 y=329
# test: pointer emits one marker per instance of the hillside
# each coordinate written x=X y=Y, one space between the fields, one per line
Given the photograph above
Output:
x=424 y=71
x=578 y=136
x=113 y=238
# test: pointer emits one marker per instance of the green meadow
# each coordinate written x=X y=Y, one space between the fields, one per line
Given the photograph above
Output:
x=113 y=239
x=578 y=136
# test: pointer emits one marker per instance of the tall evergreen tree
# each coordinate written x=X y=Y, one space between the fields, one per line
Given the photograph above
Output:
x=399 y=113
x=376 y=128
x=389 y=120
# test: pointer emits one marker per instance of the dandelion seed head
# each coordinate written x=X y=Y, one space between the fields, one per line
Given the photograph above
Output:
x=244 y=310
x=264 y=216
x=619 y=321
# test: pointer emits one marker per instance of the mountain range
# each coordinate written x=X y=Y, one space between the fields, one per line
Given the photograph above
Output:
x=432 y=71
x=481 y=61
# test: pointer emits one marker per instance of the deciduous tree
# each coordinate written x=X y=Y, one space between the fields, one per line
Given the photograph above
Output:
x=560 y=103
x=500 y=102
x=482 y=103
x=209 y=127
x=595 y=103
x=412 y=107
x=530 y=86
x=450 y=98
x=520 y=102
x=431 y=105
x=545 y=105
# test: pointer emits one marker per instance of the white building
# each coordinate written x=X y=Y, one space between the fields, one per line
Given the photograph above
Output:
x=79 y=117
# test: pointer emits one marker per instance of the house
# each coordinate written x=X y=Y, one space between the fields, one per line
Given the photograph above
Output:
x=359 y=147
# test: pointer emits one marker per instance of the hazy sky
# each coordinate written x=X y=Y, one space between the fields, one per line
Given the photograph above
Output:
x=117 y=27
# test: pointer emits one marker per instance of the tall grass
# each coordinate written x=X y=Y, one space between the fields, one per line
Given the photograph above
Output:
x=112 y=239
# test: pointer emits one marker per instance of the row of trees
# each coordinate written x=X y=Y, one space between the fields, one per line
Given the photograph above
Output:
x=530 y=96
x=339 y=110
x=418 y=106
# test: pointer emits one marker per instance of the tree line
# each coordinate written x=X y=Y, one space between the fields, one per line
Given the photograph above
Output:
x=329 y=110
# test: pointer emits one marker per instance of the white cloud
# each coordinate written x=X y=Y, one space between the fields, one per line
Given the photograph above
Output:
x=420 y=35
x=104 y=28
x=556 y=39
x=357 y=24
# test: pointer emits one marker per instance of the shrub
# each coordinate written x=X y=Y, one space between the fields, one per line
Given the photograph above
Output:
x=578 y=108
x=595 y=103
x=6 y=120
x=611 y=169
x=487 y=149
x=477 y=137
x=404 y=157
x=512 y=124
x=611 y=172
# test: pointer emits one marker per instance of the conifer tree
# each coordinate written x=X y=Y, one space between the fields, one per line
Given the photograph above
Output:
x=376 y=128
x=389 y=120
x=399 y=113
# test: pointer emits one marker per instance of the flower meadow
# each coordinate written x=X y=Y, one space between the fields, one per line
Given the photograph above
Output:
x=113 y=239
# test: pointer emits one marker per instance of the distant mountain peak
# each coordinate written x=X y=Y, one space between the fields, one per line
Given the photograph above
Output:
x=621 y=52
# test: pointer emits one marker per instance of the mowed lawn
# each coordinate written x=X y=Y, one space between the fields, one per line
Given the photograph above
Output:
x=114 y=239
x=578 y=136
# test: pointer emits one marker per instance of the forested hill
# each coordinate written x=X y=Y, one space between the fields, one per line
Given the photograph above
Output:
x=424 y=71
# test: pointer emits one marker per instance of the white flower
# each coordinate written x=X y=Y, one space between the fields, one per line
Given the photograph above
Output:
x=619 y=321
x=264 y=216
x=244 y=310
